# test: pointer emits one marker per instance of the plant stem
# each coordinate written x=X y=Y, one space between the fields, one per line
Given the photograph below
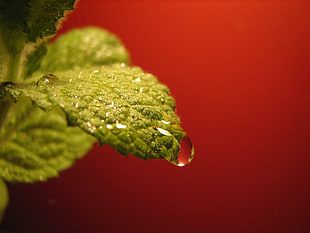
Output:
x=13 y=68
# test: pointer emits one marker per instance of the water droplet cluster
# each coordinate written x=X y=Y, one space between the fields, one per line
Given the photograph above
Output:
x=119 y=105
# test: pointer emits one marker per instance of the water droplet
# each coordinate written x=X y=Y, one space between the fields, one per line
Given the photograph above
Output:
x=186 y=153
x=90 y=127
x=120 y=126
x=163 y=131
x=47 y=79
x=137 y=80
x=111 y=105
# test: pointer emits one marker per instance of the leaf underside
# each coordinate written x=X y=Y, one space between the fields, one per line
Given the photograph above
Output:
x=38 y=144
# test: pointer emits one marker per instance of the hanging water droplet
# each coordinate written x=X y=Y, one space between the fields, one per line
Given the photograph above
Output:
x=186 y=153
x=47 y=79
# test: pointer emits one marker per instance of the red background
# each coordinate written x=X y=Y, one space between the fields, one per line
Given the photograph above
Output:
x=239 y=71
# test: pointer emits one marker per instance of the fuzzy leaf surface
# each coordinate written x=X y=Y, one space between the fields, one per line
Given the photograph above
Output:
x=84 y=48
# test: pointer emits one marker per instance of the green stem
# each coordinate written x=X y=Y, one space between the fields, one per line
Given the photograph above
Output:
x=4 y=198
x=14 y=68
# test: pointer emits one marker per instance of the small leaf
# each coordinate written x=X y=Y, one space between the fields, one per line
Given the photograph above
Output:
x=26 y=26
x=119 y=105
x=84 y=48
x=45 y=17
x=36 y=145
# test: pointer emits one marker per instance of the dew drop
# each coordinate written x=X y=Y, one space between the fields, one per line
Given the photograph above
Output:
x=163 y=131
x=111 y=105
x=90 y=127
x=47 y=79
x=186 y=153
x=137 y=80
x=120 y=126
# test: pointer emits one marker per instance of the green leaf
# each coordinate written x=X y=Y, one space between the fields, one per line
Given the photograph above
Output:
x=36 y=145
x=84 y=48
x=119 y=105
x=25 y=28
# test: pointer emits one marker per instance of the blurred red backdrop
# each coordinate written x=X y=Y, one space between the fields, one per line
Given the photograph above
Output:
x=239 y=71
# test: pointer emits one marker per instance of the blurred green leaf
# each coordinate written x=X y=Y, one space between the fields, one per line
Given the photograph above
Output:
x=36 y=145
